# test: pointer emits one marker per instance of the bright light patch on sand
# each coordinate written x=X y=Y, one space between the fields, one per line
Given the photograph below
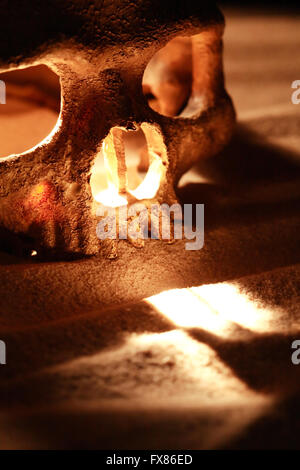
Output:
x=235 y=306
x=216 y=308
x=184 y=308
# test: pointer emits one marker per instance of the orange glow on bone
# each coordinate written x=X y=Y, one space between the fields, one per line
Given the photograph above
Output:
x=42 y=203
x=40 y=194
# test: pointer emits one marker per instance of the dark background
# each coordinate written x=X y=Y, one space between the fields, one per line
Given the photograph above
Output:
x=265 y=5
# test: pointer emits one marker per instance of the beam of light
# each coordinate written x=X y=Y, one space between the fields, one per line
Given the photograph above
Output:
x=105 y=173
x=111 y=198
x=150 y=185
x=184 y=308
x=217 y=308
x=236 y=306
x=105 y=177
x=180 y=339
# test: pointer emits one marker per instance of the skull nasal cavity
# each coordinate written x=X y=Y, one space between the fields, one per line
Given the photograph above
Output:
x=30 y=109
x=179 y=79
x=130 y=166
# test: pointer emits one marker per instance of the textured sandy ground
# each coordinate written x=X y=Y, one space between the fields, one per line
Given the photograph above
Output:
x=208 y=364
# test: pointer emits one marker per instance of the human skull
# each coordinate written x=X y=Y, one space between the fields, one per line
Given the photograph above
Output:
x=100 y=50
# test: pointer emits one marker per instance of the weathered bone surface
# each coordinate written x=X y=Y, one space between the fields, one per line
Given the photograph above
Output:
x=100 y=50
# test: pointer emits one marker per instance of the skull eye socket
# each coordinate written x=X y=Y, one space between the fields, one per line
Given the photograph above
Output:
x=29 y=108
x=181 y=78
